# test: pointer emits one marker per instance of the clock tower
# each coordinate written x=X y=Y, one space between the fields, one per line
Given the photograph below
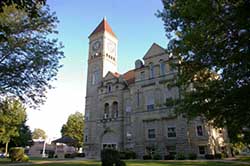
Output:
x=102 y=58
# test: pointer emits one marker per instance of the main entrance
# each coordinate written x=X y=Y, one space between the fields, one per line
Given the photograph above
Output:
x=109 y=146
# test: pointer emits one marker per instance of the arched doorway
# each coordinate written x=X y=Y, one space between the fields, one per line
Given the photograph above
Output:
x=109 y=140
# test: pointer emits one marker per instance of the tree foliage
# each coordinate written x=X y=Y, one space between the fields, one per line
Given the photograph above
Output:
x=74 y=128
x=29 y=55
x=211 y=40
x=12 y=115
x=38 y=134
x=24 y=139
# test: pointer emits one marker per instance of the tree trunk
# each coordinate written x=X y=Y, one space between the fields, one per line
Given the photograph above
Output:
x=6 y=148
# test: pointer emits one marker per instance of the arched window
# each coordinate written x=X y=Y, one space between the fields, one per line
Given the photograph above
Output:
x=106 y=110
x=115 y=110
x=151 y=70
x=162 y=67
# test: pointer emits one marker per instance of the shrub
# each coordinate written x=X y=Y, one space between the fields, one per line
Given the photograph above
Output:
x=51 y=154
x=157 y=157
x=147 y=157
x=120 y=163
x=169 y=157
x=109 y=157
x=127 y=155
x=16 y=154
x=180 y=156
x=224 y=155
x=131 y=155
x=192 y=156
x=68 y=155
x=25 y=158
x=218 y=156
x=209 y=156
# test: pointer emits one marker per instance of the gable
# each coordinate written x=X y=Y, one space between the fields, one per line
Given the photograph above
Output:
x=154 y=50
x=111 y=75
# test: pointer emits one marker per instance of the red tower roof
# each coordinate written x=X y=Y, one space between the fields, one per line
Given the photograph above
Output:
x=102 y=27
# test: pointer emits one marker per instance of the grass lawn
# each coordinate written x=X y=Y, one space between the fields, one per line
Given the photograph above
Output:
x=37 y=162
x=244 y=158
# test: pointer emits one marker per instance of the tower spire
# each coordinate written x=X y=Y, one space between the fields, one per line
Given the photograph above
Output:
x=102 y=27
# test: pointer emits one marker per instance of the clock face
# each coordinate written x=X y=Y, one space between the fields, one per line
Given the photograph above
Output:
x=96 y=45
x=111 y=47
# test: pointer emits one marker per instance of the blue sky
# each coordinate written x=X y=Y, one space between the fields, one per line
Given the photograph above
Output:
x=136 y=27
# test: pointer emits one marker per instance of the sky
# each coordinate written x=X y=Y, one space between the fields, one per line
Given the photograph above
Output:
x=136 y=27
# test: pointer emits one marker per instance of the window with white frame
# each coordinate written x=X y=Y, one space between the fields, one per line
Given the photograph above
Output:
x=199 y=130
x=171 y=132
x=151 y=134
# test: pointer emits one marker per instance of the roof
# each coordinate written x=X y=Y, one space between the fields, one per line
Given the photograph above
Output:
x=154 y=50
x=129 y=76
x=116 y=74
x=102 y=27
x=64 y=139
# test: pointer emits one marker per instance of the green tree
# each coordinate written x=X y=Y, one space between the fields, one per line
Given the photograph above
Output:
x=211 y=40
x=12 y=115
x=74 y=128
x=24 y=139
x=29 y=53
x=39 y=133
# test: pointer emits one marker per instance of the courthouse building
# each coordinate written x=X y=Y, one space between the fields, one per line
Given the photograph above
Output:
x=128 y=111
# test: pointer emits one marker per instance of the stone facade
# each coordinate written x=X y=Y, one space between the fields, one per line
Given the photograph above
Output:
x=129 y=112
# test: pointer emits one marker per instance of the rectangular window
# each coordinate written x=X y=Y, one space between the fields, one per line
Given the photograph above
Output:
x=150 y=103
x=171 y=132
x=142 y=75
x=138 y=98
x=150 y=107
x=202 y=150
x=109 y=88
x=162 y=68
x=86 y=138
x=106 y=116
x=199 y=130
x=151 y=133
x=151 y=70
